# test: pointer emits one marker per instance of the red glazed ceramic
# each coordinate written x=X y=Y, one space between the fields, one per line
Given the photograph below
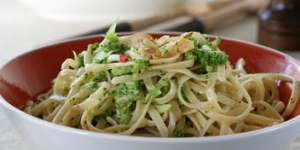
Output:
x=30 y=74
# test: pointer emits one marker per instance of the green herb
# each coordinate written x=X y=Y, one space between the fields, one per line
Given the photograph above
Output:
x=101 y=57
x=100 y=76
x=121 y=70
x=93 y=46
x=161 y=88
x=83 y=93
x=155 y=92
x=216 y=42
x=108 y=113
x=210 y=58
x=163 y=51
x=199 y=39
x=210 y=68
x=179 y=132
x=111 y=42
x=125 y=96
x=138 y=66
x=78 y=60
x=163 y=108
x=207 y=57
x=189 y=56
x=180 y=128
x=92 y=86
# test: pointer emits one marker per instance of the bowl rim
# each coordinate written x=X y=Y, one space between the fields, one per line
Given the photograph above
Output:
x=65 y=129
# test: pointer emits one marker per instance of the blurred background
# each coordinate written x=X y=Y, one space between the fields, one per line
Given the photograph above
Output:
x=29 y=23
x=26 y=24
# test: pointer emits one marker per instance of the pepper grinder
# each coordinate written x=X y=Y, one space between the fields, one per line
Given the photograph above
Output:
x=279 y=25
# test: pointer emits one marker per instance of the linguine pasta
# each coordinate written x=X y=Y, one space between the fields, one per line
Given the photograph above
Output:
x=168 y=87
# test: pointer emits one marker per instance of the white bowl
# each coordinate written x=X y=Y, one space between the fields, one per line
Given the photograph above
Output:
x=103 y=10
x=43 y=135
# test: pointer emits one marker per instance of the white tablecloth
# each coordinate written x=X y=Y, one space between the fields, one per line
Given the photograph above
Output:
x=21 y=30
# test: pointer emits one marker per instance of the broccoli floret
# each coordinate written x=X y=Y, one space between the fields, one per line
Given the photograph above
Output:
x=92 y=86
x=161 y=88
x=163 y=51
x=199 y=39
x=208 y=60
x=189 y=56
x=112 y=42
x=216 y=42
x=85 y=91
x=163 y=108
x=125 y=95
x=92 y=47
x=180 y=128
x=100 y=57
x=107 y=113
x=121 y=70
x=208 y=56
x=78 y=60
x=179 y=132
x=100 y=76
x=138 y=66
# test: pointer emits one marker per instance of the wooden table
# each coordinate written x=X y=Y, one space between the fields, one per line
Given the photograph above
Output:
x=22 y=30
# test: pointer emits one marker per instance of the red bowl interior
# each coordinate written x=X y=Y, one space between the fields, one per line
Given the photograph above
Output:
x=30 y=74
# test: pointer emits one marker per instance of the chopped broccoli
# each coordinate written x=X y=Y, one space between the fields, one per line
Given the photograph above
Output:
x=199 y=39
x=107 y=113
x=163 y=51
x=163 y=108
x=121 y=70
x=208 y=60
x=111 y=42
x=210 y=57
x=161 y=88
x=155 y=92
x=100 y=76
x=78 y=60
x=179 y=128
x=207 y=56
x=101 y=57
x=189 y=55
x=92 y=86
x=125 y=96
x=92 y=47
x=179 y=132
x=216 y=42
x=138 y=66
x=84 y=92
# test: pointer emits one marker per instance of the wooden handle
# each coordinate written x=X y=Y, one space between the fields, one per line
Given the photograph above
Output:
x=199 y=10
x=156 y=19
x=241 y=7
x=256 y=5
x=205 y=9
x=212 y=20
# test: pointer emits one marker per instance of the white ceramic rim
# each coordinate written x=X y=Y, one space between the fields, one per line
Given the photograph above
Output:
x=119 y=137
